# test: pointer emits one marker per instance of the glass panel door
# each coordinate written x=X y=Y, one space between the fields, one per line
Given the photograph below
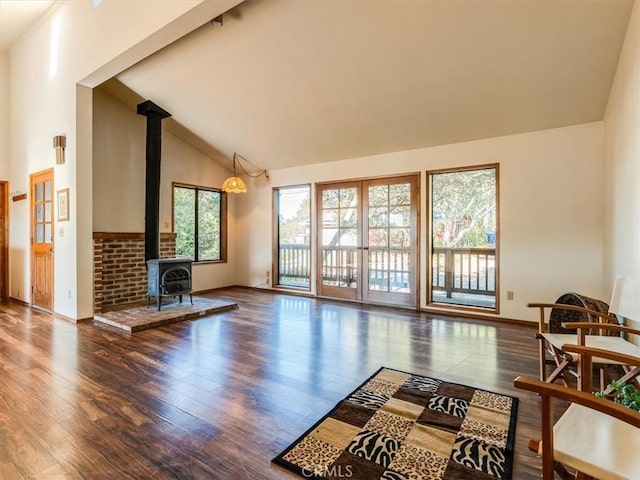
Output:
x=391 y=249
x=368 y=240
x=339 y=240
x=42 y=239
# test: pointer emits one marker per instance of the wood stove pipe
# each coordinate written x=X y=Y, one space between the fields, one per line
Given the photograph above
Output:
x=154 y=115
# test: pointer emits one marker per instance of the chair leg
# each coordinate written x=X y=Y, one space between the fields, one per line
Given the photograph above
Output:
x=560 y=370
x=563 y=472
x=543 y=361
x=535 y=446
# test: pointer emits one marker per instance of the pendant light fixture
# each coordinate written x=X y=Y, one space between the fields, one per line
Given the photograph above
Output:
x=235 y=184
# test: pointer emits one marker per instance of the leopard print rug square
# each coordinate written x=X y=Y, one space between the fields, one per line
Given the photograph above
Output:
x=401 y=426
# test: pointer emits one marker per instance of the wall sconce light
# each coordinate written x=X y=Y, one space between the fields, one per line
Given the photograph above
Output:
x=59 y=144
x=234 y=184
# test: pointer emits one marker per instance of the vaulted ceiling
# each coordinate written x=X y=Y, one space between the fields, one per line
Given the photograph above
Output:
x=295 y=82
x=17 y=16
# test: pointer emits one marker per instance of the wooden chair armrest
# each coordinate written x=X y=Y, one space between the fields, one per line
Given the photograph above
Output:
x=600 y=353
x=585 y=399
x=574 y=308
x=603 y=318
x=604 y=326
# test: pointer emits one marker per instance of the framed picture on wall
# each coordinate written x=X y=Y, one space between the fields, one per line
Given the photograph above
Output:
x=63 y=205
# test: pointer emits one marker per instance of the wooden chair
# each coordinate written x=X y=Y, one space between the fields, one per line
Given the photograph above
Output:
x=603 y=333
x=595 y=437
x=619 y=352
x=551 y=342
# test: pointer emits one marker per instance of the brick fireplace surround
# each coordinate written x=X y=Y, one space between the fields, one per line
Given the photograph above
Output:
x=119 y=273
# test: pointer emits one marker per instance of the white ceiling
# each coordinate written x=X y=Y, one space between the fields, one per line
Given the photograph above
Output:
x=298 y=82
x=294 y=82
x=17 y=16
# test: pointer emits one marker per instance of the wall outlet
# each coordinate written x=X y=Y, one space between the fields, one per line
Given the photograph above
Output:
x=509 y=295
x=69 y=294
x=166 y=225
x=267 y=276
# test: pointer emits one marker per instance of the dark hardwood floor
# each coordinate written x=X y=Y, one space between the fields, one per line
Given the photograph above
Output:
x=219 y=397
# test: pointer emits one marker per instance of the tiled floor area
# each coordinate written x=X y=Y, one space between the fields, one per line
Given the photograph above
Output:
x=141 y=318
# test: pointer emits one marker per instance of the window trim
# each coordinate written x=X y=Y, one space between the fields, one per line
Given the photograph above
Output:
x=223 y=218
x=275 y=267
x=429 y=237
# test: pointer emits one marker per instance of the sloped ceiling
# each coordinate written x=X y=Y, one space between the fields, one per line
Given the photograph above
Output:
x=288 y=83
x=16 y=17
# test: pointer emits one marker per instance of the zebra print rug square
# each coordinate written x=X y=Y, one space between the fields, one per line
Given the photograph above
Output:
x=400 y=426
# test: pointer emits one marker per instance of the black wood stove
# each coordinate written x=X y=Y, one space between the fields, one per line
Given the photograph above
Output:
x=168 y=277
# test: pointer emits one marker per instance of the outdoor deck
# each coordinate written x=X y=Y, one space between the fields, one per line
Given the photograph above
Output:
x=460 y=276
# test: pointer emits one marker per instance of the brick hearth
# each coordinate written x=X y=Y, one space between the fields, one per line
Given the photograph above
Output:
x=119 y=273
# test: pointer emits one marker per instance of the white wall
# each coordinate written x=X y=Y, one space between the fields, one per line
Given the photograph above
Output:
x=76 y=43
x=119 y=137
x=551 y=213
x=622 y=163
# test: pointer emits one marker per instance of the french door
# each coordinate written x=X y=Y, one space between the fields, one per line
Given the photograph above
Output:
x=368 y=240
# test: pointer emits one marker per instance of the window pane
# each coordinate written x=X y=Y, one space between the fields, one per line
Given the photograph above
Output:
x=198 y=218
x=400 y=194
x=400 y=217
x=329 y=199
x=348 y=237
x=378 y=237
x=348 y=217
x=400 y=237
x=292 y=223
x=208 y=225
x=329 y=218
x=378 y=217
x=348 y=197
x=47 y=191
x=184 y=220
x=378 y=195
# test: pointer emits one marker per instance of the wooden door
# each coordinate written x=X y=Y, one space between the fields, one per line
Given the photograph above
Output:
x=42 y=239
x=368 y=240
x=390 y=246
x=339 y=240
x=4 y=240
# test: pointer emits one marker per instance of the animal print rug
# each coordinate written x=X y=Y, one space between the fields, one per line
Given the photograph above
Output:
x=400 y=426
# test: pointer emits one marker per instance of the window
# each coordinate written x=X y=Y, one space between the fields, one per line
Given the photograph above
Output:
x=464 y=236
x=292 y=227
x=199 y=221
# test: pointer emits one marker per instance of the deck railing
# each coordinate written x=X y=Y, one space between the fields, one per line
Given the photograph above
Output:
x=464 y=270
x=460 y=270
x=294 y=263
